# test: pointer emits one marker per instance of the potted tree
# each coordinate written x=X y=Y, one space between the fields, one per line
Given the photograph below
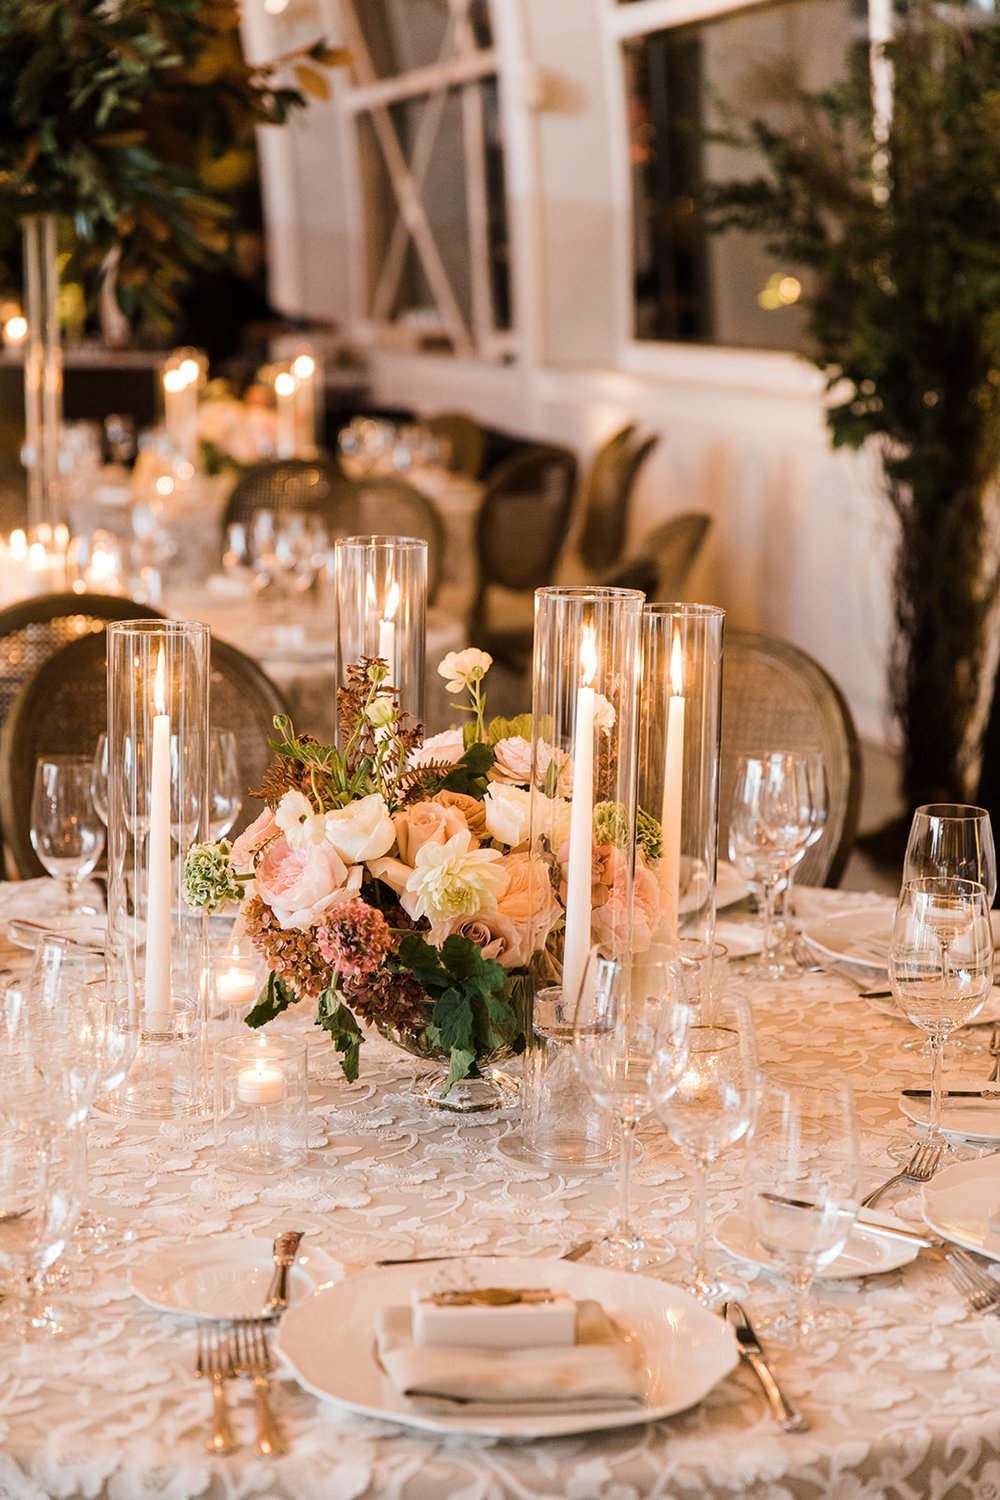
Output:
x=898 y=215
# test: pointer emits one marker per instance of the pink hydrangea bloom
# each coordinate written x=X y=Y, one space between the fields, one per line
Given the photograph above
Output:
x=354 y=939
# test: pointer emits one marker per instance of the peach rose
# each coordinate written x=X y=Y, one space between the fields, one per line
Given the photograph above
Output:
x=471 y=808
x=495 y=934
x=611 y=921
x=529 y=901
x=251 y=839
x=425 y=823
x=299 y=885
x=608 y=866
x=512 y=761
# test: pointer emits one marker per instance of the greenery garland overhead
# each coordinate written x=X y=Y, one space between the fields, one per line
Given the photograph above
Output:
x=133 y=119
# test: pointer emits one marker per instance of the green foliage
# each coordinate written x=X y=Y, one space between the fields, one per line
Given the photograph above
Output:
x=275 y=997
x=469 y=775
x=508 y=729
x=478 y=1008
x=131 y=119
x=339 y=1023
x=903 y=233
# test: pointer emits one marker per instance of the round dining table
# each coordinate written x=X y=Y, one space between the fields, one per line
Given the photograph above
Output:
x=904 y=1404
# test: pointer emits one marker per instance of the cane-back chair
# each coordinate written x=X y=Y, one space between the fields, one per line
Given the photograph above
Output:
x=281 y=484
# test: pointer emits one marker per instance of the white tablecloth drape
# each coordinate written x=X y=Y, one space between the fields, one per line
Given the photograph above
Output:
x=907 y=1406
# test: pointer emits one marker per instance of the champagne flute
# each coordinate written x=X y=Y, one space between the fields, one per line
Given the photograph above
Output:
x=940 y=972
x=803 y=1189
x=613 y=1033
x=953 y=840
x=771 y=823
x=66 y=832
x=703 y=1090
x=225 y=798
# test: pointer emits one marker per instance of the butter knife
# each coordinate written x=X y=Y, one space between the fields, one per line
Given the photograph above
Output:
x=286 y=1248
x=788 y=1417
x=952 y=1093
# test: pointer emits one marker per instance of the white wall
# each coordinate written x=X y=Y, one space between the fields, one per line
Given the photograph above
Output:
x=801 y=542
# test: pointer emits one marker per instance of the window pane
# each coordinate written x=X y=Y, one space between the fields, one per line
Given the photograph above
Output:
x=405 y=34
x=719 y=289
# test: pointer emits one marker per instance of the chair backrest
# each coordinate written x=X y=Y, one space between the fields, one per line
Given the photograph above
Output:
x=281 y=484
x=465 y=439
x=62 y=708
x=777 y=697
x=524 y=518
x=674 y=547
x=386 y=506
x=608 y=496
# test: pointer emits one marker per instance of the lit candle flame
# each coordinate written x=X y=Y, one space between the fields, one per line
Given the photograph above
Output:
x=677 y=667
x=174 y=380
x=189 y=371
x=303 y=366
x=588 y=655
x=159 y=684
x=391 y=602
x=284 y=384
x=18 y=545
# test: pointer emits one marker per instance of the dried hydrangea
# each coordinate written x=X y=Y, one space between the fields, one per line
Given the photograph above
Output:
x=210 y=878
x=388 y=999
x=293 y=955
x=354 y=939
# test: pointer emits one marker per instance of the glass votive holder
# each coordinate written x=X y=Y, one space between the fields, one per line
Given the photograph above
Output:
x=703 y=970
x=235 y=979
x=261 y=1103
x=164 y=1080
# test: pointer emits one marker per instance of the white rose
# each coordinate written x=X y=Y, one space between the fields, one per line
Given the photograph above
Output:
x=362 y=830
x=512 y=761
x=446 y=747
x=460 y=668
x=604 y=712
x=552 y=819
x=299 y=821
x=508 y=811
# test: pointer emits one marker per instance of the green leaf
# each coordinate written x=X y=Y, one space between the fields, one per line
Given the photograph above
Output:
x=464 y=960
x=334 y=1017
x=461 y=1066
x=451 y=1023
x=418 y=955
x=275 y=997
x=468 y=775
x=508 y=729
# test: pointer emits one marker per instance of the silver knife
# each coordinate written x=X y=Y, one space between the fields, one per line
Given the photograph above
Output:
x=952 y=1093
x=788 y=1417
x=866 y=1226
x=286 y=1248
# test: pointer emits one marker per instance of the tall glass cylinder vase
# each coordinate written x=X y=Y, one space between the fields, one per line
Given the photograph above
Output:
x=582 y=836
x=381 y=586
x=43 y=373
x=680 y=710
x=158 y=683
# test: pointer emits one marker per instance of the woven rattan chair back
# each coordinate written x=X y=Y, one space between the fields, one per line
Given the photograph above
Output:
x=464 y=440
x=62 y=708
x=386 y=506
x=524 y=518
x=281 y=484
x=608 y=498
x=777 y=697
x=674 y=546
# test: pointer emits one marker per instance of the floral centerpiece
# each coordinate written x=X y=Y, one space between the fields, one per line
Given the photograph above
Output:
x=392 y=882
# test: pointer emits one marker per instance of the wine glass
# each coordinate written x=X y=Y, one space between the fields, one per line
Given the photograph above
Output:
x=39 y=1187
x=703 y=1091
x=771 y=823
x=819 y=802
x=953 y=840
x=803 y=1189
x=613 y=1033
x=940 y=972
x=99 y=778
x=66 y=832
x=225 y=797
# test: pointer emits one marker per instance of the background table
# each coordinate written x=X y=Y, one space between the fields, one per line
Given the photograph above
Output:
x=907 y=1406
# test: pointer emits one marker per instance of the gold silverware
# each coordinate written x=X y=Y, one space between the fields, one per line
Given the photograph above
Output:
x=577 y=1252
x=214 y=1362
x=286 y=1248
x=253 y=1358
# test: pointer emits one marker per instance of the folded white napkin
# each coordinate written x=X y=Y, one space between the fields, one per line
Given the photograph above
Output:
x=597 y=1373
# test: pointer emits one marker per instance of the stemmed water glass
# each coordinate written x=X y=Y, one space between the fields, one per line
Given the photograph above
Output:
x=66 y=832
x=819 y=802
x=772 y=821
x=40 y=1185
x=953 y=840
x=703 y=1091
x=940 y=972
x=225 y=797
x=614 y=1028
x=803 y=1189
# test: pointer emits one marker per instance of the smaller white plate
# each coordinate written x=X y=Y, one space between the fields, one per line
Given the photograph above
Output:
x=962 y=1203
x=972 y=1119
x=225 y=1277
x=866 y=1253
x=859 y=937
x=988 y=1016
x=27 y=933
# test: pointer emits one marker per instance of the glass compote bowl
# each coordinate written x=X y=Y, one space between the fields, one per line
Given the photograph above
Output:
x=940 y=972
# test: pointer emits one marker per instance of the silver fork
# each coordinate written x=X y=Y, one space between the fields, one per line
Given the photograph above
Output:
x=253 y=1358
x=994 y=1046
x=980 y=1290
x=214 y=1362
x=920 y=1168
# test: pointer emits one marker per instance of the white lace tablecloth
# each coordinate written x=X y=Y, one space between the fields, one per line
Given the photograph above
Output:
x=907 y=1406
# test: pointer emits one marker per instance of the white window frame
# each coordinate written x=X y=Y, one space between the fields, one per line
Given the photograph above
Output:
x=462 y=65
x=776 y=372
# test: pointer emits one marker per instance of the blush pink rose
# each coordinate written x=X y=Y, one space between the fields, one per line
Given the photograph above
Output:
x=251 y=839
x=425 y=823
x=529 y=900
x=299 y=885
x=611 y=921
x=495 y=934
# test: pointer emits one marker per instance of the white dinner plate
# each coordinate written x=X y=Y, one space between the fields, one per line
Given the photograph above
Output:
x=28 y=933
x=684 y=1350
x=225 y=1277
x=962 y=1203
x=866 y=1253
x=860 y=937
x=972 y=1119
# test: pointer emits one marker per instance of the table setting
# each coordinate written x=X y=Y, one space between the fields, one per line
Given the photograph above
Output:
x=505 y=1177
